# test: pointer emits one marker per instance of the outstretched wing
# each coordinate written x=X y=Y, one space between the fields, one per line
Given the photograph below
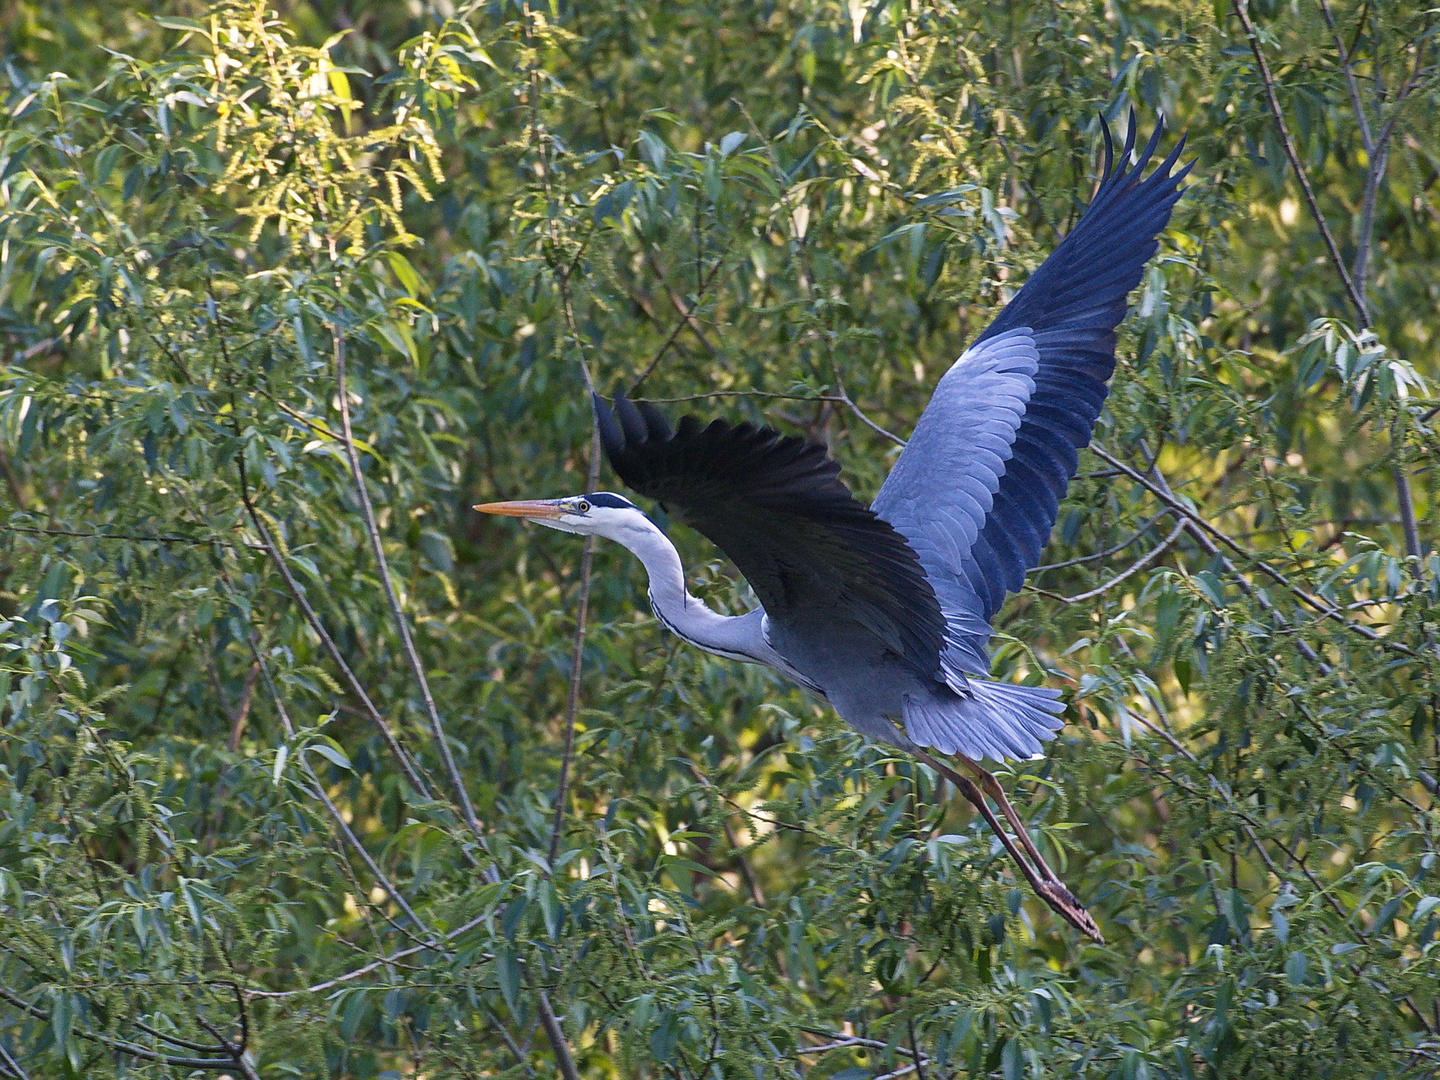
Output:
x=977 y=488
x=776 y=507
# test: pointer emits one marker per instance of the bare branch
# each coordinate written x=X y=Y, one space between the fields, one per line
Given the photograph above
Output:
x=556 y=1036
x=120 y=1046
x=1134 y=568
x=14 y=1066
x=1241 y=9
x=402 y=624
x=407 y=764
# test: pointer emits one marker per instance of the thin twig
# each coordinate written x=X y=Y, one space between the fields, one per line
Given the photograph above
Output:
x=556 y=1035
x=840 y=398
x=686 y=317
x=1377 y=152
x=915 y=1052
x=318 y=789
x=1204 y=528
x=845 y=1042
x=1134 y=568
x=1136 y=535
x=12 y=481
x=1350 y=83
x=743 y=393
x=686 y=312
x=402 y=624
x=384 y=961
x=120 y=1046
x=1241 y=9
x=134 y=537
x=13 y=1065
x=844 y=397
x=407 y=764
x=242 y=714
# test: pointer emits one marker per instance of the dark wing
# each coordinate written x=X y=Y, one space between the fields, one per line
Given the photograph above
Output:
x=776 y=507
x=977 y=488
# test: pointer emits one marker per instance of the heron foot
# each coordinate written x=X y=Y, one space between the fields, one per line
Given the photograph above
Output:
x=1062 y=901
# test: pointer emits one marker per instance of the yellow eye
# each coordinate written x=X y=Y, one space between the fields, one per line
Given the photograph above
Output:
x=582 y=507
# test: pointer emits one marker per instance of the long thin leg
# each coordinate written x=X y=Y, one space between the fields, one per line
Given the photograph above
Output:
x=1048 y=887
x=992 y=787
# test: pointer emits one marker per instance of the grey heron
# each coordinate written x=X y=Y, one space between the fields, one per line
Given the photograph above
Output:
x=885 y=611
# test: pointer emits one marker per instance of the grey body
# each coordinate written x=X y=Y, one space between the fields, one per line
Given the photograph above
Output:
x=886 y=610
x=824 y=649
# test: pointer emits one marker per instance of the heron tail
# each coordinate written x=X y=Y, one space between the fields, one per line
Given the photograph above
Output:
x=992 y=720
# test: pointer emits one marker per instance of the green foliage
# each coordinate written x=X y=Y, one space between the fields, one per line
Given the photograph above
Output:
x=230 y=838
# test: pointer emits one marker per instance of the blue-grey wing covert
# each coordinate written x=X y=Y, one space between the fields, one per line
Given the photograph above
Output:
x=977 y=489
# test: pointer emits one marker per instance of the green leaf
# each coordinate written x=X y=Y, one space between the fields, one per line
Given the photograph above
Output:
x=331 y=753
x=1297 y=967
x=507 y=974
x=404 y=272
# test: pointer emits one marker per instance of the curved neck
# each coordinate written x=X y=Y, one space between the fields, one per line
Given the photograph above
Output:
x=735 y=637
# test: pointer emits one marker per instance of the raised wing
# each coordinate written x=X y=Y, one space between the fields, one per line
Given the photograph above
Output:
x=977 y=488
x=776 y=507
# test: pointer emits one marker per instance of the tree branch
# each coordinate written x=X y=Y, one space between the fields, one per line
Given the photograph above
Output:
x=1097 y=556
x=842 y=396
x=1377 y=152
x=14 y=1066
x=384 y=961
x=318 y=790
x=686 y=317
x=134 y=537
x=562 y=274
x=686 y=312
x=120 y=1046
x=1134 y=568
x=556 y=1035
x=402 y=624
x=1241 y=9
x=1204 y=529
x=407 y=764
x=1350 y=83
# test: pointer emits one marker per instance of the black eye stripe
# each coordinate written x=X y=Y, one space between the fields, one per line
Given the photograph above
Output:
x=609 y=500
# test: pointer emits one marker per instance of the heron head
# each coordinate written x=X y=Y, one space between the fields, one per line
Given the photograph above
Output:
x=600 y=513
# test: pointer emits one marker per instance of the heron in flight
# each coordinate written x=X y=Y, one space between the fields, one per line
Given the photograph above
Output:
x=885 y=611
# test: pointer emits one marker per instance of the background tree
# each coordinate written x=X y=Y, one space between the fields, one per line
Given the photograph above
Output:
x=307 y=770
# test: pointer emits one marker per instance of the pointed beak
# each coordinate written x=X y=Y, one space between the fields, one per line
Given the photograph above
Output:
x=534 y=509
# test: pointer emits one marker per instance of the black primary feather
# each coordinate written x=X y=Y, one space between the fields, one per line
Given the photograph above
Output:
x=776 y=507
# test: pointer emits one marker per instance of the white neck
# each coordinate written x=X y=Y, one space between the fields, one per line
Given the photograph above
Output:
x=735 y=637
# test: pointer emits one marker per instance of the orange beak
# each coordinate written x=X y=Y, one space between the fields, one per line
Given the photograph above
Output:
x=525 y=508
